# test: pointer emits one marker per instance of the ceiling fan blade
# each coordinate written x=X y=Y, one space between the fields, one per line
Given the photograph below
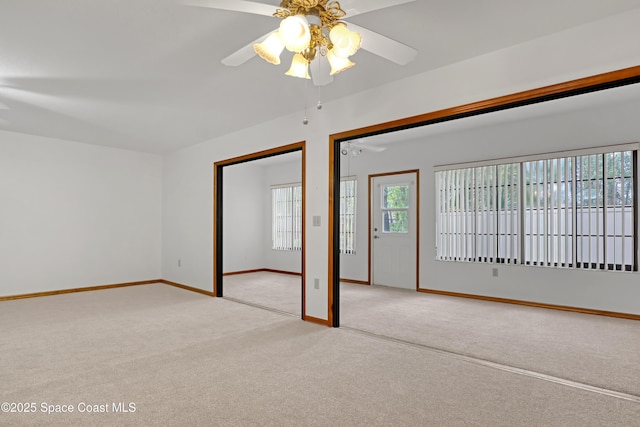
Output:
x=320 y=70
x=383 y=46
x=358 y=7
x=245 y=53
x=235 y=5
x=368 y=147
x=360 y=145
x=371 y=148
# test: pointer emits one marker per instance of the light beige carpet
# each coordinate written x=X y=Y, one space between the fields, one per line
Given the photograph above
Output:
x=281 y=292
x=186 y=359
x=596 y=350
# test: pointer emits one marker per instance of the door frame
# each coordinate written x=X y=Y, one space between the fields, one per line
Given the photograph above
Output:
x=579 y=86
x=370 y=257
x=218 y=167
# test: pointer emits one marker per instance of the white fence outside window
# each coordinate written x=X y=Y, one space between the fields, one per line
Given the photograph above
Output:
x=570 y=211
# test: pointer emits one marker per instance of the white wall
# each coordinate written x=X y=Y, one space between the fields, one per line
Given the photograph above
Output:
x=604 y=125
x=247 y=215
x=606 y=45
x=243 y=213
x=282 y=173
x=400 y=157
x=76 y=215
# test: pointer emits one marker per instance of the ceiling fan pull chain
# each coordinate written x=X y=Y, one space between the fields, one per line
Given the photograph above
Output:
x=305 y=121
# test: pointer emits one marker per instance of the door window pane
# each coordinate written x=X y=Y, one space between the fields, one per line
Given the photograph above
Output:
x=395 y=197
x=395 y=208
x=395 y=221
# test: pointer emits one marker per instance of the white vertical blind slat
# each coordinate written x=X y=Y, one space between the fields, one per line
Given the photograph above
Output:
x=566 y=212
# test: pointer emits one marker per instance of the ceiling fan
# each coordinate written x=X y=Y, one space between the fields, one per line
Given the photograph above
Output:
x=358 y=146
x=316 y=32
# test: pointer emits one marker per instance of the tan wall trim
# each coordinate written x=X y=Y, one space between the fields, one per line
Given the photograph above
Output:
x=291 y=273
x=326 y=322
x=259 y=270
x=264 y=153
x=188 y=288
x=215 y=265
x=74 y=290
x=534 y=304
x=235 y=273
x=357 y=282
x=331 y=225
x=312 y=319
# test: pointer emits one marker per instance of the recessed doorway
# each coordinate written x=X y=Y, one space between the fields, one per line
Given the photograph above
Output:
x=242 y=220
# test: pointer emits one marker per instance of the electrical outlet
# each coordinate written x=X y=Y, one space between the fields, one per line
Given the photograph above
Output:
x=179 y=263
x=316 y=283
x=494 y=272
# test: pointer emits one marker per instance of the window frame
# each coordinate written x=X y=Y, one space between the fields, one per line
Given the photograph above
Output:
x=348 y=219
x=384 y=210
x=557 y=237
x=285 y=235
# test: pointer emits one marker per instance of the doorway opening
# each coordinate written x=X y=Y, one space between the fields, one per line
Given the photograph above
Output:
x=232 y=269
x=337 y=141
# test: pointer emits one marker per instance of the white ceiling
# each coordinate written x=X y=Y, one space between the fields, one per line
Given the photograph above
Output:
x=627 y=97
x=146 y=74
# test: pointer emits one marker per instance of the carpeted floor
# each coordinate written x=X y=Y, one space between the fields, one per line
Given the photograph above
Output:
x=281 y=292
x=596 y=350
x=180 y=358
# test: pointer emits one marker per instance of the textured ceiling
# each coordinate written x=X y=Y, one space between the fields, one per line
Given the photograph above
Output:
x=146 y=74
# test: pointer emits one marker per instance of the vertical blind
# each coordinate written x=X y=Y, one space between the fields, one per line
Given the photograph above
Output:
x=286 y=202
x=572 y=211
x=348 y=199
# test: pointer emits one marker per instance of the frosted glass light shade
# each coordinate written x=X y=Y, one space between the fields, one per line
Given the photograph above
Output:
x=270 y=49
x=338 y=63
x=299 y=67
x=345 y=42
x=295 y=33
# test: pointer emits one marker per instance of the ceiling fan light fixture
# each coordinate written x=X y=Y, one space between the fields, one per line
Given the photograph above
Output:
x=338 y=63
x=313 y=28
x=299 y=67
x=345 y=42
x=295 y=33
x=270 y=49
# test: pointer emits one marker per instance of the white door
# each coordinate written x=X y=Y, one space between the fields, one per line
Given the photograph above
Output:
x=394 y=230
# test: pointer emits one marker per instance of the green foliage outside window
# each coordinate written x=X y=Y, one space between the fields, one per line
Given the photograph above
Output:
x=395 y=202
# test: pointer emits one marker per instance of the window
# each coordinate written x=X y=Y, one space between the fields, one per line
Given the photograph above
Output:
x=574 y=211
x=286 y=204
x=348 y=199
x=395 y=208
